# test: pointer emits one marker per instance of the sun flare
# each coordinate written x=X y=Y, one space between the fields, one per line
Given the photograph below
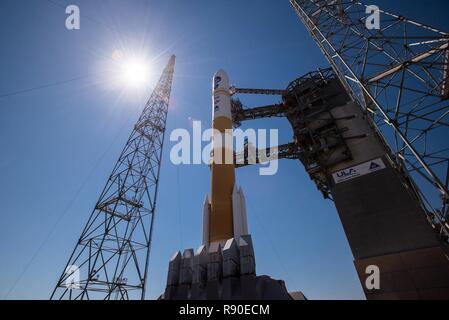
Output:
x=135 y=72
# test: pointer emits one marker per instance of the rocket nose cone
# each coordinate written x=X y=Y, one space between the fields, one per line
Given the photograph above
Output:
x=221 y=80
x=221 y=73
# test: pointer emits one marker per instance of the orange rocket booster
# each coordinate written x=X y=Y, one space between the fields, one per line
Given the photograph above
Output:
x=225 y=212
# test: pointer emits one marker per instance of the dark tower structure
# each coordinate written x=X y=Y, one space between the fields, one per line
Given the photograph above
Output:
x=371 y=131
x=399 y=75
x=396 y=74
x=110 y=259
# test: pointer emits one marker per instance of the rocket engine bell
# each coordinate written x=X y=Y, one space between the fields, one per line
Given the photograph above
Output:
x=224 y=215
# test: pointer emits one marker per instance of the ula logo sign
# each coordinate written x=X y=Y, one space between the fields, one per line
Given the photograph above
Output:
x=346 y=173
x=359 y=170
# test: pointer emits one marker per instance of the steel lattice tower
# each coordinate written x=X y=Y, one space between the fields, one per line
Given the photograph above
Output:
x=112 y=253
x=399 y=74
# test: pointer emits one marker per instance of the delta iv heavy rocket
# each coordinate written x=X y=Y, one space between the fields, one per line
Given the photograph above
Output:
x=224 y=213
x=224 y=266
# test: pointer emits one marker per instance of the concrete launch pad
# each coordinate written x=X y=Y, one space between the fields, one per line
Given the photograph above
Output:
x=221 y=273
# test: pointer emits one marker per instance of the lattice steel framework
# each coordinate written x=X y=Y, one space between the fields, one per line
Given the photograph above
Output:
x=112 y=254
x=399 y=74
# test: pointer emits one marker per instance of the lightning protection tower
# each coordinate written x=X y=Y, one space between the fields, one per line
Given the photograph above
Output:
x=110 y=259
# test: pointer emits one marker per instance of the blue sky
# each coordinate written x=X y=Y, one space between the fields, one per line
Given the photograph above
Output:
x=59 y=144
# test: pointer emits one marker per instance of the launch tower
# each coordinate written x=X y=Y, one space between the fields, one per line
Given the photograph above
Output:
x=110 y=259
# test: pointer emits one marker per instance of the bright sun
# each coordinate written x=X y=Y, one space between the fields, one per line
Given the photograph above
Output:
x=135 y=72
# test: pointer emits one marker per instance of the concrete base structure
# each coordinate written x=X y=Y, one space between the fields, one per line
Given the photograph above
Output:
x=409 y=275
x=386 y=227
x=378 y=204
x=393 y=235
x=222 y=273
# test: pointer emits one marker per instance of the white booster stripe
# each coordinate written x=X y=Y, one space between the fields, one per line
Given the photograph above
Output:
x=206 y=220
x=239 y=213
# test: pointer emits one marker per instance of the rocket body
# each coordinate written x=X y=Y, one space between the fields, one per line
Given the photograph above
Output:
x=224 y=213
x=222 y=173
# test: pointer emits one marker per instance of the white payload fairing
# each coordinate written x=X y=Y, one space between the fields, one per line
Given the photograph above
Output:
x=224 y=212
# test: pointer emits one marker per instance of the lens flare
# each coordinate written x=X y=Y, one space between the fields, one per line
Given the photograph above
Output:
x=135 y=72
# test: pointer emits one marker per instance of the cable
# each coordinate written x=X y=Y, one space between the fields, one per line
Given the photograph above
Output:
x=64 y=212
x=181 y=234
x=89 y=176
x=48 y=85
x=270 y=240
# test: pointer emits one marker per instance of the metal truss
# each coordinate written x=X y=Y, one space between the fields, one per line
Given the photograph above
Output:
x=306 y=148
x=399 y=75
x=273 y=92
x=284 y=151
x=110 y=259
x=239 y=113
